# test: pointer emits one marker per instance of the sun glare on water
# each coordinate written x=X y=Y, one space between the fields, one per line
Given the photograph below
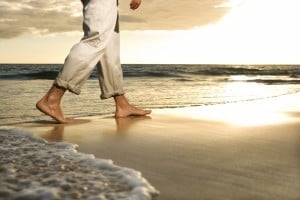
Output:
x=240 y=114
x=252 y=111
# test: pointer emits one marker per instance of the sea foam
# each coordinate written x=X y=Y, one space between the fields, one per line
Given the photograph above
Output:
x=32 y=168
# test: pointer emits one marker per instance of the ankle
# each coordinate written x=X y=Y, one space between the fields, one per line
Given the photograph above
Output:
x=120 y=101
x=55 y=94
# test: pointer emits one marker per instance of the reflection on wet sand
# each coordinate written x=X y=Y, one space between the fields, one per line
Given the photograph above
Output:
x=56 y=134
x=122 y=126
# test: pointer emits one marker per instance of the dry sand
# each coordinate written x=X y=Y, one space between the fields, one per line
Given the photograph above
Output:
x=247 y=150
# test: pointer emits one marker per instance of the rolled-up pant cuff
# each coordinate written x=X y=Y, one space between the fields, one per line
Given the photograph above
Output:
x=112 y=94
x=66 y=85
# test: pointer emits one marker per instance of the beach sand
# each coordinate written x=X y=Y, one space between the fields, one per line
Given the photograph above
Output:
x=245 y=150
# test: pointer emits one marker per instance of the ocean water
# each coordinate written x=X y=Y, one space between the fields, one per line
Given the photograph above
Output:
x=58 y=171
x=27 y=175
x=146 y=86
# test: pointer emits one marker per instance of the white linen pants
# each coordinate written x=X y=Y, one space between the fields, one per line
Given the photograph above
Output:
x=99 y=47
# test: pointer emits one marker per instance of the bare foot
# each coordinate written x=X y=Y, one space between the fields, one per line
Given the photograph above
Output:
x=50 y=105
x=131 y=111
x=124 y=109
x=52 y=110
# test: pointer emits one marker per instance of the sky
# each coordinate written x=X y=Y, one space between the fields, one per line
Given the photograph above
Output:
x=160 y=31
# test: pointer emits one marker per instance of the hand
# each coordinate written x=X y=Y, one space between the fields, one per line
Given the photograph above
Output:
x=134 y=4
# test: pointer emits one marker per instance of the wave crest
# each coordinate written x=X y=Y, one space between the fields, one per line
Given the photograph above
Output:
x=33 y=168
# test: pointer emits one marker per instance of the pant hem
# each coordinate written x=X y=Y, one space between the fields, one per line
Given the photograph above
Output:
x=111 y=94
x=66 y=85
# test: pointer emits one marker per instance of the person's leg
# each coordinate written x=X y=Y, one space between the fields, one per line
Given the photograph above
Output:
x=109 y=70
x=50 y=104
x=111 y=78
x=99 y=22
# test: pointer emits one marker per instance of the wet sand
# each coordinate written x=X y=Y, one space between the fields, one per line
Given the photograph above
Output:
x=246 y=150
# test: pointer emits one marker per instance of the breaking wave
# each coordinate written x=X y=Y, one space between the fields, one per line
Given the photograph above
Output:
x=32 y=168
